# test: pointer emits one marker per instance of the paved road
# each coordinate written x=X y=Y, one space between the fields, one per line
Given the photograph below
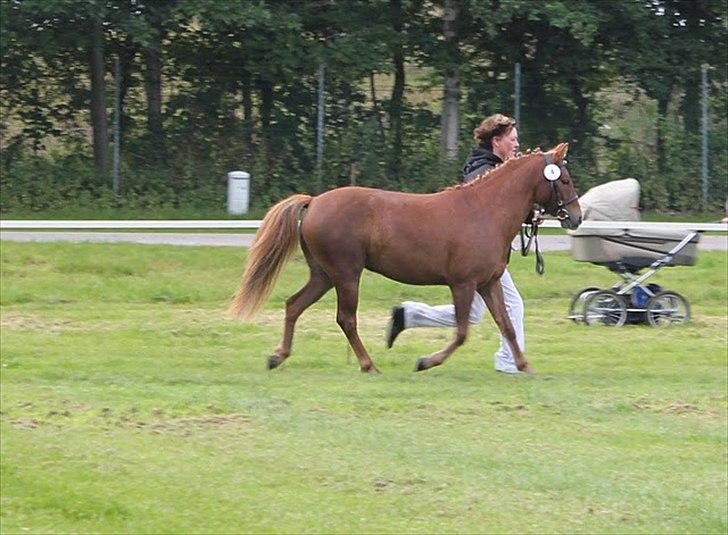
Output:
x=548 y=243
x=149 y=238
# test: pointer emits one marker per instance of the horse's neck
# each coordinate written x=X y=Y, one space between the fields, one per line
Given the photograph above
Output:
x=513 y=192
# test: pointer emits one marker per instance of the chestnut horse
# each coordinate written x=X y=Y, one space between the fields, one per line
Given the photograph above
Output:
x=459 y=237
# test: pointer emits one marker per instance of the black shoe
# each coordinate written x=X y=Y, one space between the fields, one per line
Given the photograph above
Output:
x=396 y=325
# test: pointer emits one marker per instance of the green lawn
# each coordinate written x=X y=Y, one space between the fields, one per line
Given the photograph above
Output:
x=131 y=403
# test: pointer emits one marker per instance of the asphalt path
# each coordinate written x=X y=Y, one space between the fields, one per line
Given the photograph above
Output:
x=147 y=238
x=558 y=242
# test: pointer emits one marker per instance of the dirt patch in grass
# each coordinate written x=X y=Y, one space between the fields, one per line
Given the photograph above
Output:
x=404 y=486
x=500 y=406
x=31 y=322
x=158 y=421
x=36 y=322
x=679 y=408
x=189 y=425
x=205 y=316
x=27 y=423
x=190 y=317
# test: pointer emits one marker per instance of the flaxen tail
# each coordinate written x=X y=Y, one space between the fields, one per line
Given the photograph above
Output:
x=274 y=243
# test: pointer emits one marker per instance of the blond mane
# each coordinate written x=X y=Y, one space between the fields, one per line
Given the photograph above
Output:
x=485 y=175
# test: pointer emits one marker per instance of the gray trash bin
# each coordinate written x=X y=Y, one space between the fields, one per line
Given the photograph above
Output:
x=238 y=192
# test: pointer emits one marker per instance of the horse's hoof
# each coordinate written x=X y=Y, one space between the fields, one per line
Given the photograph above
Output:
x=371 y=371
x=273 y=362
x=421 y=364
x=527 y=369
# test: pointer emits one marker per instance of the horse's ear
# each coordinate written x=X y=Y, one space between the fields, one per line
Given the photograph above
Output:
x=559 y=151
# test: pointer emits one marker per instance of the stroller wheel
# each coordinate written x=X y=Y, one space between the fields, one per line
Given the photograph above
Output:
x=605 y=307
x=667 y=308
x=576 y=309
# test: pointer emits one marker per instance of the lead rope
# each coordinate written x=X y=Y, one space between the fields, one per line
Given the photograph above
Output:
x=532 y=235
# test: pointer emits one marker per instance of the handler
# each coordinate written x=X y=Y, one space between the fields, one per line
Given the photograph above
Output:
x=497 y=138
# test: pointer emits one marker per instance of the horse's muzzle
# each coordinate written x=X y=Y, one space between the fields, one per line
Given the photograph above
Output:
x=571 y=223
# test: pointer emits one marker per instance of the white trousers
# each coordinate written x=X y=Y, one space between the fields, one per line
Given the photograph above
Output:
x=423 y=315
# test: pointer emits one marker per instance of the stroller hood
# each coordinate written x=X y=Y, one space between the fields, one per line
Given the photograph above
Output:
x=619 y=201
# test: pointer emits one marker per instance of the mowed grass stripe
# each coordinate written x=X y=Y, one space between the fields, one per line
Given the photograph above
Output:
x=131 y=403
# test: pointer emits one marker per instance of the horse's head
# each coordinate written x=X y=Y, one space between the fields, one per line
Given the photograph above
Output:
x=561 y=200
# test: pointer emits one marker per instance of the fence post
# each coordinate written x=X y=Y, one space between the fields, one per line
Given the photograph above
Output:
x=116 y=178
x=517 y=94
x=704 y=79
x=320 y=128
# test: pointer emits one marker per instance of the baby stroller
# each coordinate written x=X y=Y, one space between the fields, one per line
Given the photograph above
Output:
x=626 y=253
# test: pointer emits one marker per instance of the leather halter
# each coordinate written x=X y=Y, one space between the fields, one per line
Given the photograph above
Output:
x=561 y=213
x=561 y=205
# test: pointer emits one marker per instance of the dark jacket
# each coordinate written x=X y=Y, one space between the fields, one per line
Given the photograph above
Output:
x=478 y=162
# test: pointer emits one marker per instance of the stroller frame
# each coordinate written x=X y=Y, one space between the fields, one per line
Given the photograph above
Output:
x=617 y=306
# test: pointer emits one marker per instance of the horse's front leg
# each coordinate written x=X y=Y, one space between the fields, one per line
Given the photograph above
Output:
x=493 y=295
x=462 y=295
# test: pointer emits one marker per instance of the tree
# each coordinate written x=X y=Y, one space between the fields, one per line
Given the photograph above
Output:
x=66 y=34
x=560 y=47
x=99 y=122
x=210 y=86
x=667 y=42
x=451 y=85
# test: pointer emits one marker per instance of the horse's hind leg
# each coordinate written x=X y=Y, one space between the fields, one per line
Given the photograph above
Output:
x=318 y=284
x=347 y=293
x=462 y=298
x=493 y=295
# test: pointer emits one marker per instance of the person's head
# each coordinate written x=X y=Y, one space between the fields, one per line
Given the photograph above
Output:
x=499 y=134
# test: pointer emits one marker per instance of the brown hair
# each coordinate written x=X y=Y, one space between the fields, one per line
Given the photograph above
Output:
x=492 y=126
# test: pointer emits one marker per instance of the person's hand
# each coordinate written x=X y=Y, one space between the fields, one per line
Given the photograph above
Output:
x=537 y=217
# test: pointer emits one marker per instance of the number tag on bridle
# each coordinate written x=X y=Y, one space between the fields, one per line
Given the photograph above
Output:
x=552 y=172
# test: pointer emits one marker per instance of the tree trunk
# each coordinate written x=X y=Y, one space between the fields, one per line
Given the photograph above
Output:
x=536 y=104
x=127 y=55
x=266 y=104
x=691 y=104
x=375 y=105
x=397 y=98
x=266 y=114
x=581 y=140
x=153 y=88
x=662 y=103
x=690 y=77
x=450 y=114
x=660 y=149
x=451 y=90
x=247 y=114
x=99 y=122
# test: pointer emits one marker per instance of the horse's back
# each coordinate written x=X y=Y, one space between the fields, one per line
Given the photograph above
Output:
x=404 y=236
x=362 y=214
x=349 y=217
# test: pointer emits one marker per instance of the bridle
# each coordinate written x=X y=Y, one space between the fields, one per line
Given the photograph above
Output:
x=552 y=173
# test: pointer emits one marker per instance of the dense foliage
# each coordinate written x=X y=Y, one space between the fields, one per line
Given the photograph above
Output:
x=211 y=86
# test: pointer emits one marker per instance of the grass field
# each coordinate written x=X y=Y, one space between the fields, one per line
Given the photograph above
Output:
x=130 y=403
